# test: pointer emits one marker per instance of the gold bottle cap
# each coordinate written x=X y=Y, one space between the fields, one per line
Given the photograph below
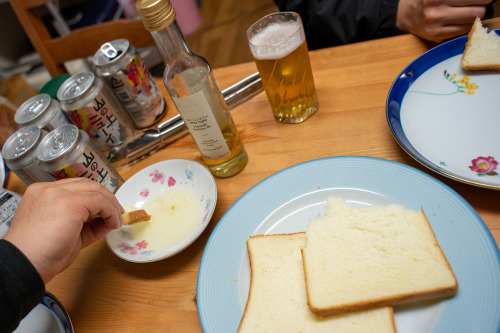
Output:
x=155 y=14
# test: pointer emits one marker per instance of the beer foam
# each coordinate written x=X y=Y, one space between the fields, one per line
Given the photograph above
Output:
x=277 y=40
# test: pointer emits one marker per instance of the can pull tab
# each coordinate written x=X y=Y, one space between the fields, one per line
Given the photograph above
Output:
x=58 y=142
x=109 y=50
x=35 y=107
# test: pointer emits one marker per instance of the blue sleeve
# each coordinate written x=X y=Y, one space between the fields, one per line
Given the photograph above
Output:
x=21 y=287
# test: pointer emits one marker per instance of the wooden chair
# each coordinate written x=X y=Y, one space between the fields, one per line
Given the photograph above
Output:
x=79 y=43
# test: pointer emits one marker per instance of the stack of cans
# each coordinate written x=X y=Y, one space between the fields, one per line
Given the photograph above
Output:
x=93 y=108
x=73 y=135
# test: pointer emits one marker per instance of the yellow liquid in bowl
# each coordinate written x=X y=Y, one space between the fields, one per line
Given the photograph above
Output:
x=175 y=214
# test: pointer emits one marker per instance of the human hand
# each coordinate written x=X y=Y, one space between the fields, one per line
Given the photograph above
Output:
x=437 y=20
x=50 y=226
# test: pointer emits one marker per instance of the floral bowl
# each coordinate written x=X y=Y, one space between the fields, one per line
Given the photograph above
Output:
x=147 y=184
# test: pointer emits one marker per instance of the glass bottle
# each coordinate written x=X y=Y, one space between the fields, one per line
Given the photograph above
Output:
x=194 y=91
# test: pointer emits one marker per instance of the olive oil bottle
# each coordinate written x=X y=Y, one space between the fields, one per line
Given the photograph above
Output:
x=191 y=84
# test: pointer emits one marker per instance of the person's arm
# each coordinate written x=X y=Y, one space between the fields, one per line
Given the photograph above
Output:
x=48 y=231
x=337 y=22
x=21 y=287
x=437 y=20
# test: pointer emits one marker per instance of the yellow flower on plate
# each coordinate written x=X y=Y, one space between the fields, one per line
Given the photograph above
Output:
x=464 y=80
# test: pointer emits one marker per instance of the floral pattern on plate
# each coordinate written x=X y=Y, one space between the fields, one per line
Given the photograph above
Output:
x=146 y=184
x=447 y=118
x=463 y=85
x=484 y=166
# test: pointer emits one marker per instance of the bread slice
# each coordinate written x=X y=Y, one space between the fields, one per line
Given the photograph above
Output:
x=277 y=298
x=482 y=50
x=135 y=216
x=359 y=258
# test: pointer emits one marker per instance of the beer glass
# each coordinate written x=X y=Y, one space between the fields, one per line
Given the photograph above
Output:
x=279 y=48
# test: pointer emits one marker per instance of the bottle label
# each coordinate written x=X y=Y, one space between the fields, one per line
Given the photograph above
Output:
x=202 y=125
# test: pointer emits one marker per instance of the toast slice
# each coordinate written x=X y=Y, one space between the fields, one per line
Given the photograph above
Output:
x=277 y=299
x=482 y=50
x=360 y=258
x=135 y=216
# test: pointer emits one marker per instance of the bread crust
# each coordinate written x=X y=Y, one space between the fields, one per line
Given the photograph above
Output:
x=388 y=312
x=410 y=297
x=250 y=257
x=468 y=45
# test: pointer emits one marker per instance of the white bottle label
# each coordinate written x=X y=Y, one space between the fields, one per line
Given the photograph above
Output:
x=202 y=125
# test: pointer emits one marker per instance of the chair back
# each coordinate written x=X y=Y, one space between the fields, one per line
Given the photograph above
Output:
x=79 y=43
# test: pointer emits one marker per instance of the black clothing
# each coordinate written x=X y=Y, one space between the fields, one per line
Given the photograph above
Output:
x=337 y=22
x=21 y=287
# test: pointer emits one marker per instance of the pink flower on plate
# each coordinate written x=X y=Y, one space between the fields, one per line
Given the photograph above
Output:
x=144 y=193
x=142 y=244
x=125 y=248
x=171 y=181
x=484 y=165
x=157 y=177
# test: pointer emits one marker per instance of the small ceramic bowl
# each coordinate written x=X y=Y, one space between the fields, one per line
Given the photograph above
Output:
x=48 y=316
x=175 y=174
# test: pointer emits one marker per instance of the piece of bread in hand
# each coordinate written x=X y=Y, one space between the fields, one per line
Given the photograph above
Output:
x=277 y=299
x=135 y=216
x=482 y=50
x=359 y=258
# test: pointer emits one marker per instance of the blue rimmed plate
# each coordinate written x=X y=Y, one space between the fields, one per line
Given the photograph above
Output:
x=447 y=118
x=48 y=316
x=287 y=200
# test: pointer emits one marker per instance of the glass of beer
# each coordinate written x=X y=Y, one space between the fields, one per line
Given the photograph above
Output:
x=279 y=48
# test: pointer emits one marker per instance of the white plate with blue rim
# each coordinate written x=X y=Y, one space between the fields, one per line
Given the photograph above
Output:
x=185 y=195
x=286 y=201
x=49 y=316
x=447 y=118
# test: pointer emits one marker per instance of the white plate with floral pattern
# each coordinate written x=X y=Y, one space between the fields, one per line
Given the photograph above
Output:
x=169 y=175
x=447 y=118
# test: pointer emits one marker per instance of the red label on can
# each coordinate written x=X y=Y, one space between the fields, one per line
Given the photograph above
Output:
x=98 y=121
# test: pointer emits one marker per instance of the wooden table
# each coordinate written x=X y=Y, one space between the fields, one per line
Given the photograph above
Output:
x=104 y=293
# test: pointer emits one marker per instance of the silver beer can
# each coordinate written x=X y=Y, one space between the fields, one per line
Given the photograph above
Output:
x=118 y=63
x=20 y=154
x=67 y=152
x=93 y=108
x=42 y=111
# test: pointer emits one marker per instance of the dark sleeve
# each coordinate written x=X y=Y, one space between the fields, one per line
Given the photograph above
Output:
x=337 y=22
x=21 y=287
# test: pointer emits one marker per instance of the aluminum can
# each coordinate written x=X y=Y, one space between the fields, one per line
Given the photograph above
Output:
x=67 y=152
x=20 y=154
x=42 y=111
x=92 y=107
x=118 y=63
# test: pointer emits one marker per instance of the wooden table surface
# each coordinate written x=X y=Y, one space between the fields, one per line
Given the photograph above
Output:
x=104 y=293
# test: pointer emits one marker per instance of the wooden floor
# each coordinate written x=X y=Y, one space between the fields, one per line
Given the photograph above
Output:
x=222 y=37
